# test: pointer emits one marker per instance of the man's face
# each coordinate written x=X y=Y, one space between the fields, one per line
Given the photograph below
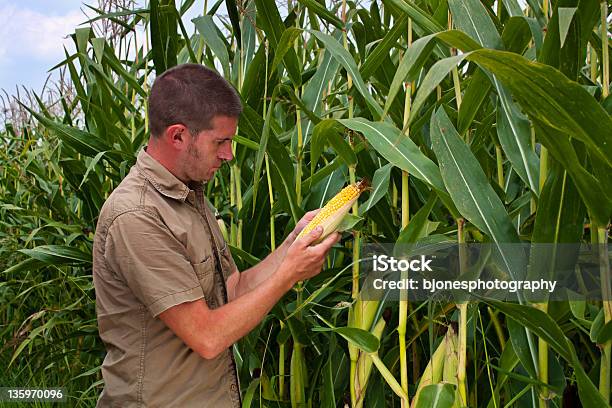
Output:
x=209 y=149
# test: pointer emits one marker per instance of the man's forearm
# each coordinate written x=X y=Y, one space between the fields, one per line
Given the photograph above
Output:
x=234 y=320
x=244 y=282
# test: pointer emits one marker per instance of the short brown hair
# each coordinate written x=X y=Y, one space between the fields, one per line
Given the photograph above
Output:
x=192 y=95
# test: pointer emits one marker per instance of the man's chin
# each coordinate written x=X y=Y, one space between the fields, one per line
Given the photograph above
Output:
x=210 y=176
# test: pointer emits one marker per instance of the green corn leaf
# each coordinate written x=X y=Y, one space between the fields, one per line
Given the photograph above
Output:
x=249 y=397
x=520 y=346
x=559 y=219
x=545 y=327
x=544 y=93
x=596 y=198
x=514 y=133
x=315 y=89
x=330 y=132
x=549 y=97
x=513 y=8
x=263 y=146
x=605 y=334
x=346 y=60
x=30 y=264
x=113 y=61
x=467 y=184
x=234 y=16
x=328 y=395
x=208 y=32
x=284 y=178
x=342 y=147
x=507 y=362
x=248 y=32
x=362 y=339
x=323 y=13
x=513 y=130
x=474 y=99
x=398 y=149
x=244 y=256
x=519 y=31
x=434 y=76
x=437 y=396
x=92 y=164
x=378 y=54
x=417 y=224
x=536 y=7
x=380 y=187
x=417 y=54
x=270 y=21
x=79 y=140
x=470 y=190
x=188 y=43
x=57 y=254
x=472 y=18
x=164 y=38
x=420 y=17
x=409 y=66
x=285 y=44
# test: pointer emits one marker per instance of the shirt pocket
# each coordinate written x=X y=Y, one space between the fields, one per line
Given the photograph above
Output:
x=205 y=272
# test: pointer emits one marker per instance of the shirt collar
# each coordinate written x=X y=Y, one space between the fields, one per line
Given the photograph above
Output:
x=160 y=177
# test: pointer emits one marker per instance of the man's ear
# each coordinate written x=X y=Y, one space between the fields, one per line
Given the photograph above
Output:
x=177 y=136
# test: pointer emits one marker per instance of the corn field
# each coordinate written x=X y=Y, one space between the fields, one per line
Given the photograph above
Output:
x=474 y=120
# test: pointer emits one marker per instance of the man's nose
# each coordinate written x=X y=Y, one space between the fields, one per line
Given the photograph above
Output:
x=225 y=153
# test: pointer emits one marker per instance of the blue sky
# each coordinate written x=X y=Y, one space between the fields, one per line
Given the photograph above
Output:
x=33 y=34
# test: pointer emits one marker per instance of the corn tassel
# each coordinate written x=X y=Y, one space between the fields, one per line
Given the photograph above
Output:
x=334 y=211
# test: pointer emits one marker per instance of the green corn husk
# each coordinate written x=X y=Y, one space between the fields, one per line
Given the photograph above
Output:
x=364 y=364
x=451 y=362
x=433 y=372
x=298 y=378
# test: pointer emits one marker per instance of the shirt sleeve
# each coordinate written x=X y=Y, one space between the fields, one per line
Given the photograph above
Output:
x=152 y=262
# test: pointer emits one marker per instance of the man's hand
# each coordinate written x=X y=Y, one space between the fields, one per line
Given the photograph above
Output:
x=240 y=283
x=302 y=223
x=304 y=260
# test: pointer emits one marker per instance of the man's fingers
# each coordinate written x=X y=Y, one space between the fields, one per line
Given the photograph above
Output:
x=311 y=214
x=312 y=236
x=329 y=241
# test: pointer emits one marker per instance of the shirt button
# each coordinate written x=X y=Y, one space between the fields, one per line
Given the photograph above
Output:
x=233 y=387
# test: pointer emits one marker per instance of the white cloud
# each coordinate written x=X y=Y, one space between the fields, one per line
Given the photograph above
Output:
x=34 y=35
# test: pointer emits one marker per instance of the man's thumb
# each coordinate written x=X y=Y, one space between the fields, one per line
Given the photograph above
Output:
x=313 y=235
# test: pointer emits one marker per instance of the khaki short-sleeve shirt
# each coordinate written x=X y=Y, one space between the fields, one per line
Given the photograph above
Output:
x=157 y=245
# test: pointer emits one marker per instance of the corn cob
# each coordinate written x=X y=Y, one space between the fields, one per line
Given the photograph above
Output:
x=334 y=211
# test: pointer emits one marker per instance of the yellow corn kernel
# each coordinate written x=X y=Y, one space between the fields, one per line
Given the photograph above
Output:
x=330 y=216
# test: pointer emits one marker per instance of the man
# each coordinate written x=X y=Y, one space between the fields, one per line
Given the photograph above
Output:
x=170 y=300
